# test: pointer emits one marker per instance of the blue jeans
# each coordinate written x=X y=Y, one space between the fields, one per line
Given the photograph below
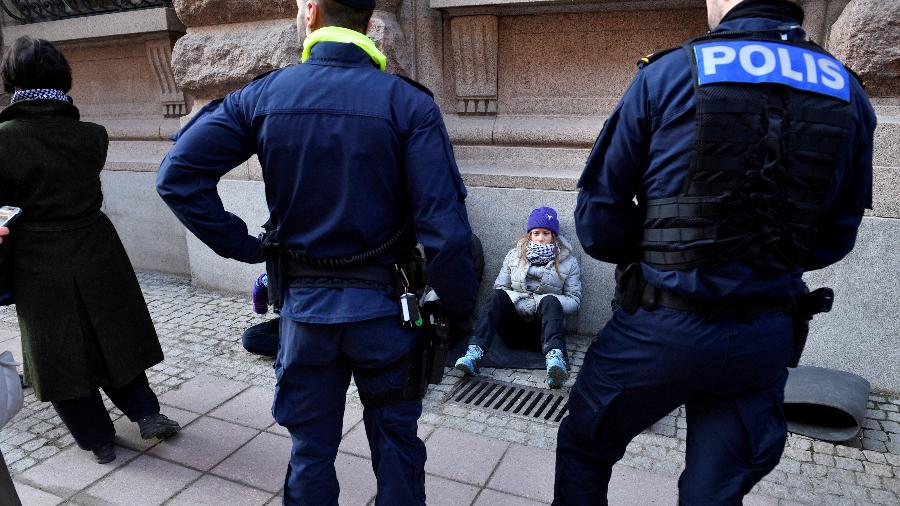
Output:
x=729 y=374
x=313 y=370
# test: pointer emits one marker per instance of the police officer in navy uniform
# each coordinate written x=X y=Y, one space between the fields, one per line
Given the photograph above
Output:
x=348 y=154
x=730 y=167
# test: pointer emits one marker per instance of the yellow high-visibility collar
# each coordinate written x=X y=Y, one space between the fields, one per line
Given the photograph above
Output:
x=346 y=36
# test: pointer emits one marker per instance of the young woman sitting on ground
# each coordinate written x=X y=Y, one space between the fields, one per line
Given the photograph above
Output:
x=538 y=284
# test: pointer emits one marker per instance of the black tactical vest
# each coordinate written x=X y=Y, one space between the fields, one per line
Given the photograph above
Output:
x=763 y=161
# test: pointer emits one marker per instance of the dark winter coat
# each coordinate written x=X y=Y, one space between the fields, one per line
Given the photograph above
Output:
x=83 y=318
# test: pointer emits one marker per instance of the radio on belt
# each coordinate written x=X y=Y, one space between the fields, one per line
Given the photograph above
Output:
x=409 y=308
x=409 y=303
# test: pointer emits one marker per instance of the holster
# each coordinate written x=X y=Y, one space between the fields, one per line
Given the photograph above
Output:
x=805 y=307
x=632 y=290
x=423 y=364
x=275 y=265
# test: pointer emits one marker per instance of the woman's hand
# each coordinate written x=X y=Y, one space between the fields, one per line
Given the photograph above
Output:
x=3 y=231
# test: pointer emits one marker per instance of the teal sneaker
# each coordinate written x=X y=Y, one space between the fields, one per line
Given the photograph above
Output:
x=468 y=363
x=557 y=374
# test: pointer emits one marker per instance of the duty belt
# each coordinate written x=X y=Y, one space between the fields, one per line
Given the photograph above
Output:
x=662 y=298
x=300 y=275
x=633 y=291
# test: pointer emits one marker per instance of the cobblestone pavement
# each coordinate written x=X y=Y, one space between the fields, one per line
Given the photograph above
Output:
x=200 y=334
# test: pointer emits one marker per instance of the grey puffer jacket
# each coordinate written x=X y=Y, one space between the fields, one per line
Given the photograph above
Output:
x=528 y=284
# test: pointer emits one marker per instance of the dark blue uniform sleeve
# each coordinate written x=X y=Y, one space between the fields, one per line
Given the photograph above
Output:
x=217 y=140
x=607 y=219
x=437 y=197
x=838 y=228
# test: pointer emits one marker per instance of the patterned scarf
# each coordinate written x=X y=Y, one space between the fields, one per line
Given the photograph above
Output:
x=40 y=94
x=541 y=254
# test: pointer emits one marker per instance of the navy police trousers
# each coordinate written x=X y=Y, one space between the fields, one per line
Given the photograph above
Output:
x=313 y=370
x=729 y=374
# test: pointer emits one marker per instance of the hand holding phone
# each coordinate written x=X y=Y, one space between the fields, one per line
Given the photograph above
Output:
x=8 y=214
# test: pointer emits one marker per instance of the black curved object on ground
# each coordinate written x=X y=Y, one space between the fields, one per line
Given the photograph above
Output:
x=824 y=403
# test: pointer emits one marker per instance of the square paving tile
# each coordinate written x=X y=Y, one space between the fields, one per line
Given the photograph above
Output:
x=71 y=470
x=632 y=487
x=760 y=500
x=441 y=492
x=450 y=455
x=352 y=415
x=30 y=496
x=261 y=463
x=128 y=435
x=356 y=479
x=15 y=346
x=7 y=332
x=144 y=481
x=252 y=407
x=494 y=498
x=202 y=393
x=204 y=443
x=526 y=471
x=213 y=491
x=425 y=431
x=279 y=430
x=356 y=442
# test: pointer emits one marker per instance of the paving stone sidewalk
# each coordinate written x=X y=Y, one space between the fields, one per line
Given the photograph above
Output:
x=231 y=453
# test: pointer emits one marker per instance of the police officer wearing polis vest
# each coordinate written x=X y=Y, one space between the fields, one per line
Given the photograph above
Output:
x=731 y=166
x=357 y=167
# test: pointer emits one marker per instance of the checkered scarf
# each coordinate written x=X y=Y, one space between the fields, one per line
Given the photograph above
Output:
x=40 y=94
x=541 y=254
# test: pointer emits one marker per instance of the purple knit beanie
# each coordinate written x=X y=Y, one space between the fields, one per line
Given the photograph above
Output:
x=543 y=217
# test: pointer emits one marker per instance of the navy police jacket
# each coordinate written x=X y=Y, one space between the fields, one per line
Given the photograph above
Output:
x=644 y=152
x=348 y=153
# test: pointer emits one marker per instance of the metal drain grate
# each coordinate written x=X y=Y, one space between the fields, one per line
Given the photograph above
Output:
x=509 y=398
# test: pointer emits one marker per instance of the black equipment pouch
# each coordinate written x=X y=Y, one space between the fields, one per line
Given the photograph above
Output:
x=438 y=333
x=424 y=363
x=805 y=307
x=630 y=287
x=275 y=265
x=415 y=383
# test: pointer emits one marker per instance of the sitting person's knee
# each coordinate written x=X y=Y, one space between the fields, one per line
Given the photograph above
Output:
x=550 y=303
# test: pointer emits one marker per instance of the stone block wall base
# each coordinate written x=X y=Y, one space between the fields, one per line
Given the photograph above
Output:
x=153 y=237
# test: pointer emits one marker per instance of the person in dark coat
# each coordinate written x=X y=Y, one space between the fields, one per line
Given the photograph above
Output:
x=83 y=319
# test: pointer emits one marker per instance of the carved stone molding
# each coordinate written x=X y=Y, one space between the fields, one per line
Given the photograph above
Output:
x=170 y=96
x=387 y=33
x=475 y=40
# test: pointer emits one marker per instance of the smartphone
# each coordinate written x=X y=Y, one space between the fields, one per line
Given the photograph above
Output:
x=8 y=214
